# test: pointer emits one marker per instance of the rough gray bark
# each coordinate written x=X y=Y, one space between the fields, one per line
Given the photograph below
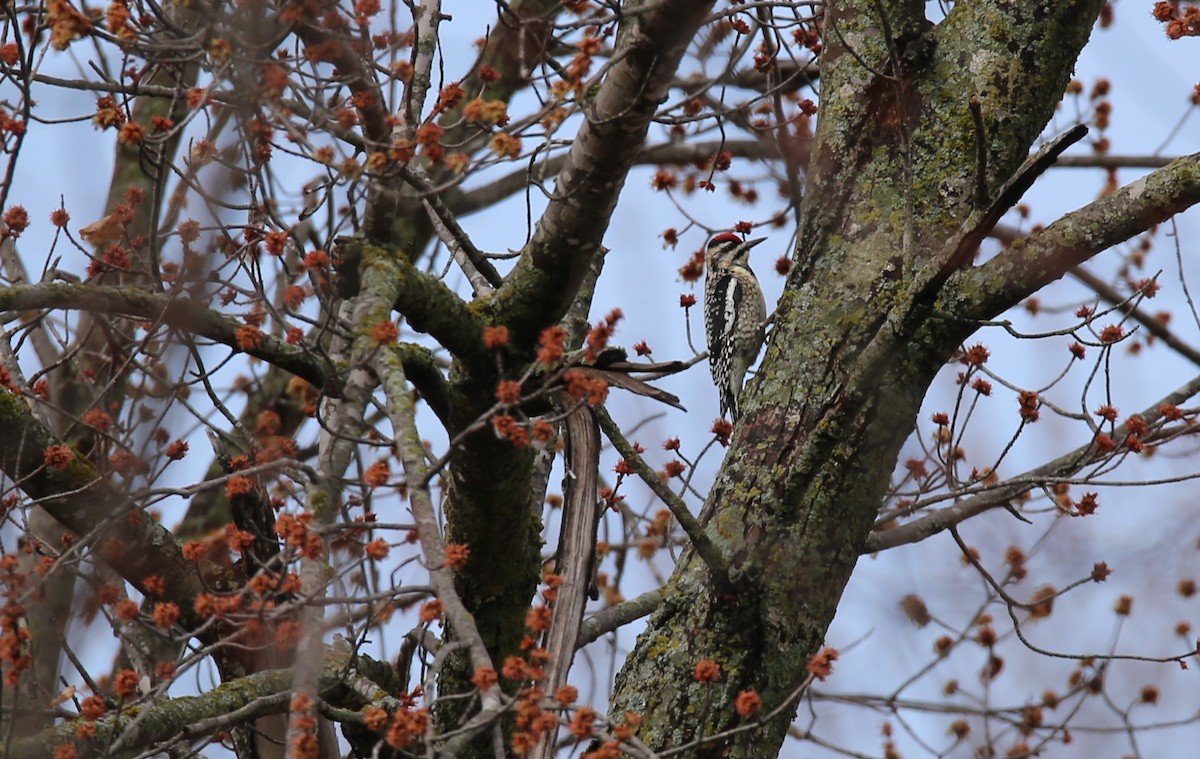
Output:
x=859 y=335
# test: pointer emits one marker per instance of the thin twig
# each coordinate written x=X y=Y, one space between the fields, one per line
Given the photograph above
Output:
x=701 y=542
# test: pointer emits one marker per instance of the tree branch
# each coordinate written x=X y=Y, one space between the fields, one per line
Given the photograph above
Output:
x=700 y=541
x=1113 y=161
x=1042 y=257
x=87 y=503
x=576 y=555
x=441 y=576
x=177 y=312
x=480 y=271
x=1110 y=295
x=674 y=154
x=425 y=301
x=163 y=719
x=607 y=620
x=1001 y=495
x=1115 y=298
x=649 y=48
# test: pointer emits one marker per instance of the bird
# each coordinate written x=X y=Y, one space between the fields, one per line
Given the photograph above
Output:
x=735 y=313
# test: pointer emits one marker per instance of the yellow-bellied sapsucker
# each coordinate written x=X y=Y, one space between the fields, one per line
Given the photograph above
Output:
x=734 y=315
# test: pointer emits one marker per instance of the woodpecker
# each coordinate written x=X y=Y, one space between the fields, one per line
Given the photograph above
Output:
x=734 y=314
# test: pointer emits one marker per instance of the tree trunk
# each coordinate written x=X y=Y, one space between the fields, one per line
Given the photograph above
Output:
x=857 y=341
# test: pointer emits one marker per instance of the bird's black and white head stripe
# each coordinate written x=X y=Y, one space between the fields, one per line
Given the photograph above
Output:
x=727 y=249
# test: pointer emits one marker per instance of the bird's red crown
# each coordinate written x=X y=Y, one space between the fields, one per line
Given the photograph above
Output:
x=725 y=237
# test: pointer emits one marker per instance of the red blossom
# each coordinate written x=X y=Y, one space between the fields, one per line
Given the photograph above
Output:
x=378 y=474
x=1087 y=505
x=976 y=355
x=706 y=671
x=58 y=457
x=154 y=585
x=194 y=550
x=552 y=342
x=165 y=614
x=431 y=611
x=508 y=428
x=505 y=145
x=485 y=678
x=1111 y=334
x=582 y=387
x=508 y=392
x=177 y=450
x=457 y=555
x=514 y=668
x=127 y=610
x=821 y=665
x=747 y=704
x=566 y=695
x=98 y=419
x=692 y=271
x=543 y=431
x=537 y=619
x=317 y=259
x=125 y=684
x=1170 y=413
x=93 y=708
x=16 y=218
x=249 y=337
x=583 y=722
x=449 y=97
x=597 y=338
x=238 y=485
x=495 y=337
x=1029 y=402
x=385 y=333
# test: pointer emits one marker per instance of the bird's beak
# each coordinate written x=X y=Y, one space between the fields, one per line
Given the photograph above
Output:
x=756 y=241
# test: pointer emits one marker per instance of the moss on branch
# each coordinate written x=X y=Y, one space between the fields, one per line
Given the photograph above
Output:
x=179 y=313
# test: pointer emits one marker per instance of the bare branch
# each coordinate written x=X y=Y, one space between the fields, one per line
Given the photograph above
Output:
x=607 y=620
x=87 y=503
x=390 y=371
x=576 y=556
x=701 y=542
x=649 y=48
x=1042 y=257
x=1001 y=495
x=177 y=312
x=425 y=301
x=662 y=154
